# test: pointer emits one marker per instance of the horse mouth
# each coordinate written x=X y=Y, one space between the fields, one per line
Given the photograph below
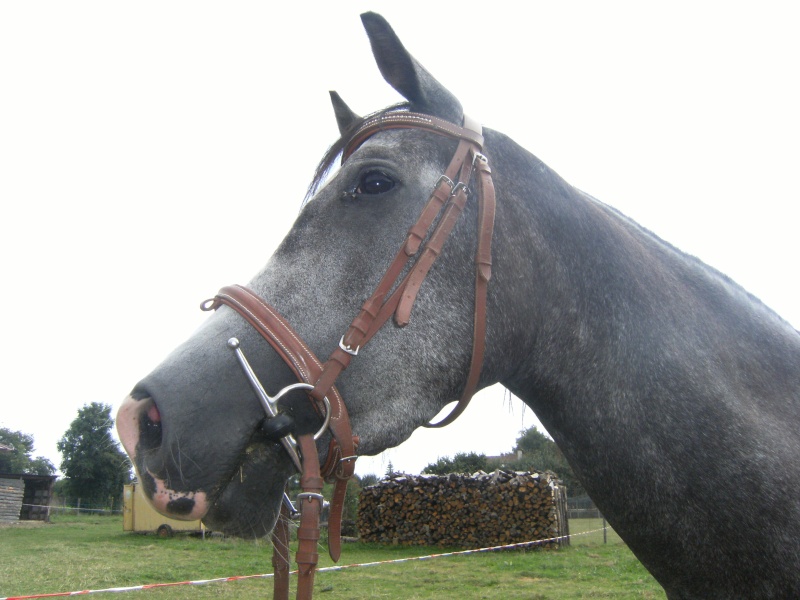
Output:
x=248 y=504
x=239 y=495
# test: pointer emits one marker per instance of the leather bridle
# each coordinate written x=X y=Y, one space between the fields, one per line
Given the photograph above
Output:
x=394 y=295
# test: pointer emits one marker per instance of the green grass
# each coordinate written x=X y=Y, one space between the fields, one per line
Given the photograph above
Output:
x=75 y=553
x=588 y=532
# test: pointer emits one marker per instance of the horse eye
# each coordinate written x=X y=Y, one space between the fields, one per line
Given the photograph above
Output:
x=374 y=182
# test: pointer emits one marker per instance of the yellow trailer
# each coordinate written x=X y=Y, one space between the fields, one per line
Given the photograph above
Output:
x=138 y=515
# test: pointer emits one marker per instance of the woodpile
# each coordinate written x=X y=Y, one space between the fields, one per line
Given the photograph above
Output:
x=470 y=511
x=11 y=492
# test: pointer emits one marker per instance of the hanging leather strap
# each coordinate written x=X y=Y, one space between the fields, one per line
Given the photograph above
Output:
x=310 y=505
x=280 y=556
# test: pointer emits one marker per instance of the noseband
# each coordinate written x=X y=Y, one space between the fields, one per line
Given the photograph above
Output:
x=394 y=295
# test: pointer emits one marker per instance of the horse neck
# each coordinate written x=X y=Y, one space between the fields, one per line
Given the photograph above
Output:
x=602 y=310
x=667 y=387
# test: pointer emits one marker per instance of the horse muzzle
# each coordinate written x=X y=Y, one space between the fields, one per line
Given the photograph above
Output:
x=141 y=433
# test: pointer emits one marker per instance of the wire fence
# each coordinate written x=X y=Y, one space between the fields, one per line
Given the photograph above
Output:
x=60 y=505
x=79 y=510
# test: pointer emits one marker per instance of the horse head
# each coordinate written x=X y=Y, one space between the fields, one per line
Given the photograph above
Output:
x=193 y=427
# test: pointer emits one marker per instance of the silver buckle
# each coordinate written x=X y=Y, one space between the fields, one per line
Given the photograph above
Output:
x=458 y=186
x=348 y=349
x=445 y=179
x=310 y=496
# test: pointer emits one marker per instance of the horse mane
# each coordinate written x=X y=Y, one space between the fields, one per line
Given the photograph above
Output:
x=686 y=256
x=328 y=161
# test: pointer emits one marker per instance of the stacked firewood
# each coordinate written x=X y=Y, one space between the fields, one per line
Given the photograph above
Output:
x=11 y=493
x=470 y=511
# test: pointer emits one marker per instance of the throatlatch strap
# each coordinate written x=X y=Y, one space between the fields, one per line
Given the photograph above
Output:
x=483 y=273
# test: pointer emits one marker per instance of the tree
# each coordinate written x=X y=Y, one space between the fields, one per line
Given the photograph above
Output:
x=368 y=480
x=95 y=467
x=462 y=462
x=19 y=459
x=540 y=453
x=532 y=441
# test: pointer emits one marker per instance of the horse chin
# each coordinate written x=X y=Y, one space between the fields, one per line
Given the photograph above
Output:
x=249 y=504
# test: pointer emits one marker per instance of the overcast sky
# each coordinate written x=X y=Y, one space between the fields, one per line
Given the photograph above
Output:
x=152 y=152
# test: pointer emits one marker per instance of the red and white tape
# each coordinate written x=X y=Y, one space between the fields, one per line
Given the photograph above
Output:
x=150 y=586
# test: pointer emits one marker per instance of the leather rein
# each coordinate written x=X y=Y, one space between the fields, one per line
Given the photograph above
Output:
x=394 y=295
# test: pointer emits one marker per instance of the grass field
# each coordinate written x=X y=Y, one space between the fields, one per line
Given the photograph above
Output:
x=77 y=553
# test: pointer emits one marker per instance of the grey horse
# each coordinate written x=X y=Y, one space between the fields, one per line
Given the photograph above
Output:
x=673 y=393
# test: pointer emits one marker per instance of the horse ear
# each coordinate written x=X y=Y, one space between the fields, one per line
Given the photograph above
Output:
x=406 y=75
x=345 y=117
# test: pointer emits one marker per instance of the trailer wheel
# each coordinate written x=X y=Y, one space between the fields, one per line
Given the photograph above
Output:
x=164 y=531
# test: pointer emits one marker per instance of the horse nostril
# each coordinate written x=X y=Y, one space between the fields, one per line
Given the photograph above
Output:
x=139 y=424
x=150 y=427
x=153 y=414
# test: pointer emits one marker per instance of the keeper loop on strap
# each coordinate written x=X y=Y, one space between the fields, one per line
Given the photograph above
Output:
x=310 y=496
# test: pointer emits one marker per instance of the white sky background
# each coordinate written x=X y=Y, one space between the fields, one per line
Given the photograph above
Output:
x=152 y=152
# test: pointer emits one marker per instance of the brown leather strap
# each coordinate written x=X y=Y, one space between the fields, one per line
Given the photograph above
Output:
x=483 y=267
x=429 y=255
x=462 y=164
x=340 y=468
x=310 y=505
x=272 y=327
x=410 y=120
x=335 y=515
x=280 y=556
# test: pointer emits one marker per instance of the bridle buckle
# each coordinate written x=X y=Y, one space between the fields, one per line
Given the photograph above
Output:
x=348 y=348
x=310 y=496
x=460 y=186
